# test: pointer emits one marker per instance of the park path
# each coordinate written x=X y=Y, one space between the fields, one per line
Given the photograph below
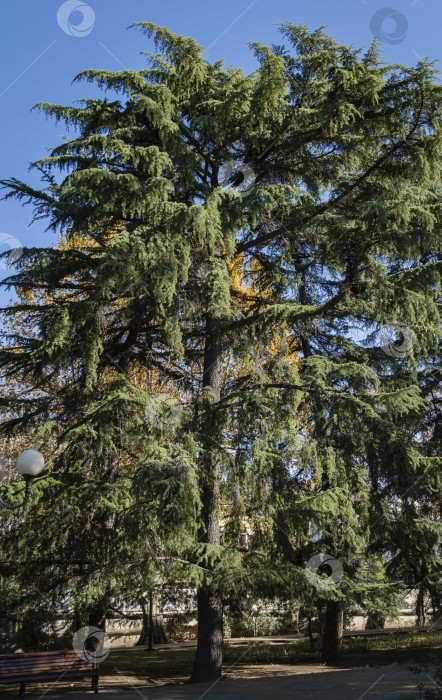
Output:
x=285 y=638
x=381 y=683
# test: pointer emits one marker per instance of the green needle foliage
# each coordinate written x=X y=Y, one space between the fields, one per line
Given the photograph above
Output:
x=318 y=177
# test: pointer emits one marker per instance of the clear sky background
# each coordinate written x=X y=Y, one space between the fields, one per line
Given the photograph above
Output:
x=44 y=44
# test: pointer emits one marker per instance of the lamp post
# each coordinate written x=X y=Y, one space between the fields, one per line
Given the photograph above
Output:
x=29 y=464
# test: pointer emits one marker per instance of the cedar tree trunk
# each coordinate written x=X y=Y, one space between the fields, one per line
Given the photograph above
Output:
x=208 y=659
x=334 y=630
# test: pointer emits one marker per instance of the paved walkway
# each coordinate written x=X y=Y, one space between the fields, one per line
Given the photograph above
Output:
x=382 y=683
x=285 y=638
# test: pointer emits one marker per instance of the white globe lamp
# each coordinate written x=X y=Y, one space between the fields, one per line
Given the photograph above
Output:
x=29 y=464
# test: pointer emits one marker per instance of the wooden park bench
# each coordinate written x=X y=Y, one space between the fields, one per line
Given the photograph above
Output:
x=45 y=666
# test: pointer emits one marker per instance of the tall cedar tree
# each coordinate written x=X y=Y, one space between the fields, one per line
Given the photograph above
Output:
x=340 y=226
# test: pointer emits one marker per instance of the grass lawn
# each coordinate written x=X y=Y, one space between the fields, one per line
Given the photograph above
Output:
x=365 y=651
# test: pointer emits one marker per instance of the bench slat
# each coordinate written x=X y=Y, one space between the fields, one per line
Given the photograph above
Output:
x=32 y=665
x=28 y=654
x=47 y=662
x=47 y=678
x=43 y=669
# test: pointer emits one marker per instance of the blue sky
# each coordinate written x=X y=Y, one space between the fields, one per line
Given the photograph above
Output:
x=45 y=44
